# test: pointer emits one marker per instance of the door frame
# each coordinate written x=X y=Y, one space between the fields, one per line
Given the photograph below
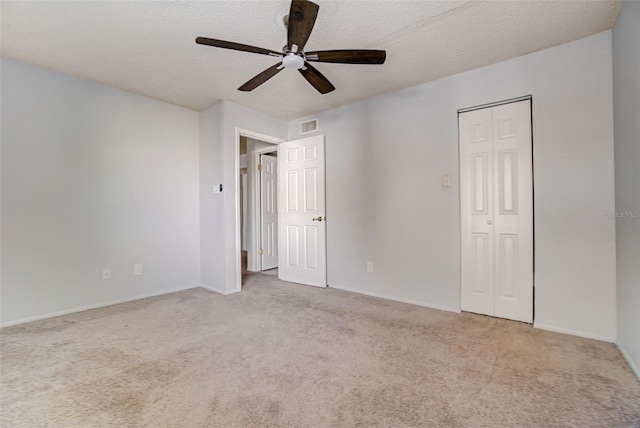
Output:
x=240 y=132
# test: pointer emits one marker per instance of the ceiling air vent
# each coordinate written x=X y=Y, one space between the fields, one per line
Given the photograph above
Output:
x=308 y=126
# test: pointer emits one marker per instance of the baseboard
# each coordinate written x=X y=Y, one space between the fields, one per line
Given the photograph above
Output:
x=218 y=290
x=631 y=363
x=96 y=306
x=574 y=332
x=397 y=299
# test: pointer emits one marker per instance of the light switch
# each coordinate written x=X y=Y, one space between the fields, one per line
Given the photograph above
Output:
x=446 y=181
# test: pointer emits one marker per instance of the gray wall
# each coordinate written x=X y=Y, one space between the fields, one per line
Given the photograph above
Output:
x=626 y=109
x=385 y=203
x=93 y=177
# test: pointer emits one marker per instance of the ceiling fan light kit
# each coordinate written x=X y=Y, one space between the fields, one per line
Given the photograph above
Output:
x=300 y=21
x=292 y=60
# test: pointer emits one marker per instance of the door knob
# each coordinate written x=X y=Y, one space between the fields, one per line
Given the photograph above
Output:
x=319 y=218
x=489 y=222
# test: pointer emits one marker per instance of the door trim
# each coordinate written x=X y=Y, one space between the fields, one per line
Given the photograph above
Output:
x=495 y=104
x=240 y=132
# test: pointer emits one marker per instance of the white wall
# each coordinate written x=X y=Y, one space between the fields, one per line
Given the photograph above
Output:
x=211 y=204
x=626 y=109
x=239 y=117
x=385 y=203
x=92 y=177
x=219 y=214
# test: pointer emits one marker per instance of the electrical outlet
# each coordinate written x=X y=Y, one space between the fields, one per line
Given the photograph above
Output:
x=369 y=266
x=106 y=273
x=137 y=269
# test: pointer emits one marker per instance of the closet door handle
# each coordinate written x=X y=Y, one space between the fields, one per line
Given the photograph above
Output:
x=489 y=222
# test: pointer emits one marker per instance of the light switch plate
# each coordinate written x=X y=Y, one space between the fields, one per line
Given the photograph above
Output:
x=446 y=181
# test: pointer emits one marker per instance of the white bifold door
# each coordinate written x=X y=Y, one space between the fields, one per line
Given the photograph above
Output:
x=496 y=196
x=268 y=212
x=301 y=214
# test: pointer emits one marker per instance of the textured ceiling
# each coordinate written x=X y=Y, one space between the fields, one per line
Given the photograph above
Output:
x=148 y=47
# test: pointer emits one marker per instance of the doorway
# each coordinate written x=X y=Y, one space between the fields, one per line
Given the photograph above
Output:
x=496 y=200
x=267 y=212
x=249 y=146
x=301 y=227
x=259 y=220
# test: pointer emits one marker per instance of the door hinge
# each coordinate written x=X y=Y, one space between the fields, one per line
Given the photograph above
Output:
x=259 y=167
x=260 y=252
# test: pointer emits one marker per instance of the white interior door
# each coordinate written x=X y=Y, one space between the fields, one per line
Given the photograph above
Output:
x=496 y=192
x=268 y=212
x=301 y=195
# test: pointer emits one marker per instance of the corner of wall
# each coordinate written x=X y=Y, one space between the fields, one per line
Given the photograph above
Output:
x=626 y=110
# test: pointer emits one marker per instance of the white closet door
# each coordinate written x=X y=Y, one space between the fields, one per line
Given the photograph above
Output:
x=476 y=196
x=513 y=212
x=497 y=211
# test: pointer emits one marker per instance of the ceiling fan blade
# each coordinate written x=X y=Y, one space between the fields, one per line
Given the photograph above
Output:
x=302 y=16
x=261 y=78
x=361 y=56
x=316 y=79
x=235 y=46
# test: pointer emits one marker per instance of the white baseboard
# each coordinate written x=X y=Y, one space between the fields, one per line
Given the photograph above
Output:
x=96 y=306
x=397 y=299
x=631 y=363
x=574 y=332
x=218 y=290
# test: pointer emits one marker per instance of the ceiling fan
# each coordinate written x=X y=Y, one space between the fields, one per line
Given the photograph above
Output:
x=302 y=17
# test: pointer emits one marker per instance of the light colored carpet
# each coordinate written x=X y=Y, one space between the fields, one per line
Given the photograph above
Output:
x=243 y=261
x=272 y=272
x=282 y=354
